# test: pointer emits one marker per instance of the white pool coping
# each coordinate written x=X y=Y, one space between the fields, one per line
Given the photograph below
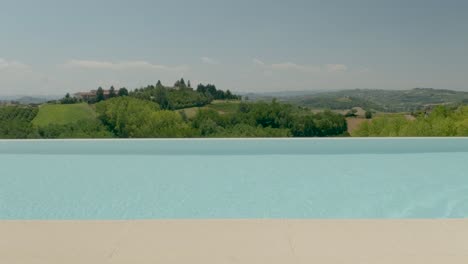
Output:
x=235 y=241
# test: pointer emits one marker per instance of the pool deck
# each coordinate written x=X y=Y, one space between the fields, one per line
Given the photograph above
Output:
x=235 y=241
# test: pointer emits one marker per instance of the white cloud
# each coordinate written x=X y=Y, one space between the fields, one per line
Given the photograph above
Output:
x=364 y=70
x=336 y=67
x=208 y=60
x=288 y=66
x=294 y=66
x=17 y=78
x=122 y=65
x=258 y=62
x=12 y=64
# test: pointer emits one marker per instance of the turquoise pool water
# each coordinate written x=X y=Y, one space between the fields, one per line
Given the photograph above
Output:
x=299 y=178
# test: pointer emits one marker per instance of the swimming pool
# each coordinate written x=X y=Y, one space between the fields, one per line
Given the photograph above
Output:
x=239 y=178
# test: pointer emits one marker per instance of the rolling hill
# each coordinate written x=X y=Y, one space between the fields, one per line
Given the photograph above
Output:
x=378 y=100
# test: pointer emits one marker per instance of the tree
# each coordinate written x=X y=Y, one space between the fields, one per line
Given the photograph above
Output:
x=68 y=99
x=172 y=99
x=188 y=84
x=161 y=98
x=201 y=88
x=228 y=94
x=100 y=95
x=159 y=84
x=330 y=124
x=112 y=92
x=304 y=126
x=136 y=118
x=123 y=91
x=211 y=91
x=368 y=114
x=79 y=129
x=123 y=115
x=180 y=83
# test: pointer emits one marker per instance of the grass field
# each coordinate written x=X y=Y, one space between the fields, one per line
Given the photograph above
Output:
x=63 y=114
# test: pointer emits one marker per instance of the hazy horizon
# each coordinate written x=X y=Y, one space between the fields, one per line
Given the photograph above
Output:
x=266 y=93
x=53 y=47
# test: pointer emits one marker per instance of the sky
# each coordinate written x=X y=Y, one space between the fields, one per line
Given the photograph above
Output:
x=52 y=47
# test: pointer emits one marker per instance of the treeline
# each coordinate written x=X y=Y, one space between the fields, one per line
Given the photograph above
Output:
x=79 y=129
x=132 y=117
x=128 y=117
x=441 y=121
x=182 y=95
x=179 y=96
x=210 y=91
x=100 y=96
x=171 y=98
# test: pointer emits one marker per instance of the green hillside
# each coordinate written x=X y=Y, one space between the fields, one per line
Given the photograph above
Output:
x=63 y=114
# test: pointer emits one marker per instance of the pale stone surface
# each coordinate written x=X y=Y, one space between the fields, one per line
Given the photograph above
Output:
x=235 y=241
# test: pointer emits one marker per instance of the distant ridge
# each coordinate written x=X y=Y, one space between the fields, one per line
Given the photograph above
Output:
x=373 y=99
x=27 y=99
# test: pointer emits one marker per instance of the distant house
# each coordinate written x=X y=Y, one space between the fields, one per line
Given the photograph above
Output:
x=89 y=96
x=86 y=96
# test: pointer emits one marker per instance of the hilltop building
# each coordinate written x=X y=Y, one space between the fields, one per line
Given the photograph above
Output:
x=87 y=96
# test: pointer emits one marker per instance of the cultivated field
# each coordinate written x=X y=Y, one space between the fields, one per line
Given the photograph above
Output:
x=63 y=114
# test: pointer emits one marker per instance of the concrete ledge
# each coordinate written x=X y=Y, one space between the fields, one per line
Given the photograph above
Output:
x=235 y=241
